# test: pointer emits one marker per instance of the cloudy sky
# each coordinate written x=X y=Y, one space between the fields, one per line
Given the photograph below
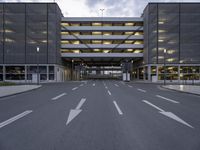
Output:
x=112 y=8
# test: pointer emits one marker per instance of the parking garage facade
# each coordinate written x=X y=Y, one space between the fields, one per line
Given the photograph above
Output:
x=161 y=44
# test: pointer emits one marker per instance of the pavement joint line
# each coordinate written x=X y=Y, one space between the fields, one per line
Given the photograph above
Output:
x=11 y=120
x=141 y=90
x=109 y=93
x=75 y=88
x=59 y=96
x=117 y=107
x=170 y=100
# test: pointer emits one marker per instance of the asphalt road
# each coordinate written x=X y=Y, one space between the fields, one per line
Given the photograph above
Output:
x=100 y=115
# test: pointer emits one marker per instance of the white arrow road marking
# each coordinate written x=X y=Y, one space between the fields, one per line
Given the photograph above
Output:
x=130 y=86
x=117 y=107
x=116 y=85
x=109 y=92
x=168 y=114
x=170 y=100
x=75 y=88
x=106 y=87
x=15 y=118
x=141 y=90
x=59 y=96
x=93 y=84
x=75 y=112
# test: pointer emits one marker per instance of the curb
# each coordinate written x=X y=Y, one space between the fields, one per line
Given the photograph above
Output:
x=20 y=92
x=180 y=91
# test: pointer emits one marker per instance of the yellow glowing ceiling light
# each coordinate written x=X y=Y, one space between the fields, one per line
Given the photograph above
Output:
x=161 y=31
x=138 y=51
x=160 y=40
x=76 y=42
x=170 y=51
x=107 y=33
x=96 y=33
x=138 y=33
x=106 y=51
x=96 y=41
x=8 y=31
x=129 y=50
x=137 y=42
x=64 y=24
x=65 y=33
x=96 y=50
x=128 y=42
x=160 y=57
x=64 y=42
x=96 y=24
x=75 y=24
x=161 y=22
x=65 y=50
x=129 y=24
x=128 y=33
x=44 y=41
x=76 y=51
x=170 y=59
x=107 y=42
x=76 y=33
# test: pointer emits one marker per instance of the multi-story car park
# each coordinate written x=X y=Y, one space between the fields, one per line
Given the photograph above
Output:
x=161 y=44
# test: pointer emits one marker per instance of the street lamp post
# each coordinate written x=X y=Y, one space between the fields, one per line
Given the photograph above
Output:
x=72 y=67
x=165 y=51
x=38 y=50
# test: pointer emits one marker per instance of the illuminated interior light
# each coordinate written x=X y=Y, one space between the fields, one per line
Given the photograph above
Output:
x=64 y=24
x=107 y=42
x=160 y=40
x=161 y=22
x=76 y=42
x=96 y=42
x=138 y=33
x=44 y=41
x=129 y=24
x=64 y=42
x=160 y=57
x=96 y=50
x=65 y=33
x=128 y=33
x=128 y=42
x=96 y=33
x=9 y=40
x=76 y=51
x=107 y=24
x=161 y=31
x=8 y=31
x=76 y=33
x=170 y=51
x=75 y=24
x=129 y=50
x=106 y=51
x=170 y=59
x=137 y=42
x=96 y=24
x=137 y=51
x=107 y=33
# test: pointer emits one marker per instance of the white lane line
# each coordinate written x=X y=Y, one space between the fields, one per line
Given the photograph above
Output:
x=59 y=96
x=130 y=86
x=116 y=85
x=122 y=83
x=81 y=103
x=93 y=84
x=15 y=118
x=81 y=85
x=75 y=88
x=117 y=107
x=169 y=114
x=109 y=92
x=170 y=100
x=156 y=107
x=141 y=90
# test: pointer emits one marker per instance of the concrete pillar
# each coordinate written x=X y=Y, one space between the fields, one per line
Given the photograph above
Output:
x=4 y=73
x=47 y=73
x=138 y=73
x=25 y=73
x=179 y=74
x=149 y=72
x=157 y=71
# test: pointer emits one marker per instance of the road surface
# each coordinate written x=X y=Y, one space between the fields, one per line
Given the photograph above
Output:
x=100 y=115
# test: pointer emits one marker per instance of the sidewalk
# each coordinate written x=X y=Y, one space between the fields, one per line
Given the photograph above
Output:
x=12 y=90
x=192 y=89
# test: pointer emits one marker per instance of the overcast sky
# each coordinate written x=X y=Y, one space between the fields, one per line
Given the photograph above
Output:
x=112 y=8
